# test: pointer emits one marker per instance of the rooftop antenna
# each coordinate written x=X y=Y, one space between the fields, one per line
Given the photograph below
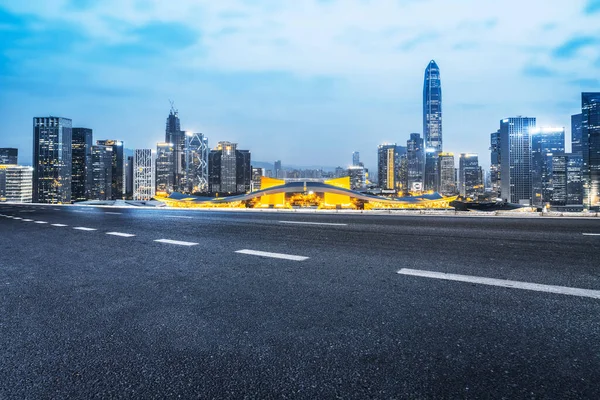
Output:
x=173 y=110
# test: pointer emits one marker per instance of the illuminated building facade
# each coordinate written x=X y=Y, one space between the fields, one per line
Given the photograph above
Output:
x=177 y=137
x=495 y=175
x=415 y=162
x=386 y=166
x=102 y=167
x=356 y=159
x=470 y=183
x=229 y=169
x=545 y=142
x=16 y=183
x=432 y=124
x=143 y=175
x=129 y=177
x=196 y=163
x=257 y=174
x=590 y=143
x=52 y=161
x=81 y=166
x=9 y=156
x=447 y=173
x=277 y=171
x=358 y=177
x=118 y=167
x=165 y=168
x=576 y=132
x=515 y=159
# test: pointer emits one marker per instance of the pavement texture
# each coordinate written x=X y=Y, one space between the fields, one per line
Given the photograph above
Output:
x=88 y=314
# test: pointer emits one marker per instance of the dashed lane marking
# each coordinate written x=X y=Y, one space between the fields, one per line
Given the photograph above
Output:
x=177 y=242
x=82 y=228
x=595 y=294
x=120 y=234
x=312 y=223
x=177 y=216
x=59 y=225
x=27 y=220
x=40 y=222
x=112 y=213
x=272 y=255
x=591 y=234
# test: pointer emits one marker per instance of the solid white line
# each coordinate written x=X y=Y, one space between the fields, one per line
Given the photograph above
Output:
x=59 y=225
x=311 y=223
x=177 y=216
x=81 y=228
x=272 y=255
x=180 y=243
x=112 y=213
x=120 y=234
x=595 y=294
x=40 y=222
x=591 y=234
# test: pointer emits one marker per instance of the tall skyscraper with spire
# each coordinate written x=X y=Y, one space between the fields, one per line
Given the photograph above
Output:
x=432 y=123
x=175 y=136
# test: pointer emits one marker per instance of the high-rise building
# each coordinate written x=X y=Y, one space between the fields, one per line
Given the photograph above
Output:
x=470 y=183
x=576 y=133
x=9 y=156
x=515 y=159
x=495 y=177
x=129 y=177
x=165 y=168
x=545 y=142
x=590 y=143
x=143 y=175
x=257 y=174
x=174 y=135
x=118 y=167
x=355 y=159
x=52 y=138
x=447 y=173
x=196 y=163
x=575 y=178
x=277 y=171
x=102 y=167
x=358 y=177
x=16 y=183
x=229 y=169
x=432 y=124
x=386 y=166
x=81 y=169
x=415 y=159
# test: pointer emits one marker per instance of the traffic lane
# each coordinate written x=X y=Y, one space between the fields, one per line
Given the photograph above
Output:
x=280 y=328
x=535 y=260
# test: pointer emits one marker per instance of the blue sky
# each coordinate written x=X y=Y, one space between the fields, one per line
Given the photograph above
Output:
x=307 y=82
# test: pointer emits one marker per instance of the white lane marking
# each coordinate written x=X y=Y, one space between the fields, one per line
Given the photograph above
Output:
x=595 y=294
x=27 y=220
x=120 y=234
x=311 y=223
x=272 y=255
x=56 y=209
x=40 y=222
x=177 y=216
x=27 y=211
x=59 y=225
x=180 y=243
x=78 y=211
x=17 y=218
x=112 y=213
x=81 y=228
x=591 y=234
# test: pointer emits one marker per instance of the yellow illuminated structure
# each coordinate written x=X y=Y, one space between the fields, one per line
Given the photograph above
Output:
x=331 y=194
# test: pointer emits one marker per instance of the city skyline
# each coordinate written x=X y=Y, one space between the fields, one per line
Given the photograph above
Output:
x=331 y=99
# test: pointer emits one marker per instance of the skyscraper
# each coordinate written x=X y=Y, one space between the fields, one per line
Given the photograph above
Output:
x=515 y=159
x=165 y=168
x=277 y=171
x=102 y=167
x=495 y=177
x=576 y=133
x=356 y=158
x=447 y=173
x=9 y=156
x=469 y=180
x=432 y=123
x=196 y=163
x=52 y=138
x=81 y=170
x=590 y=143
x=118 y=167
x=415 y=159
x=386 y=166
x=229 y=169
x=129 y=177
x=358 y=177
x=545 y=142
x=174 y=135
x=16 y=183
x=143 y=175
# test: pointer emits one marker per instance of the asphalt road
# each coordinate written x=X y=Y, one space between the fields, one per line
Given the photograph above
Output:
x=98 y=313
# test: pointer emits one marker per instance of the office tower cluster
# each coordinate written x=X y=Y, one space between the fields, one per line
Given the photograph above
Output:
x=530 y=165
